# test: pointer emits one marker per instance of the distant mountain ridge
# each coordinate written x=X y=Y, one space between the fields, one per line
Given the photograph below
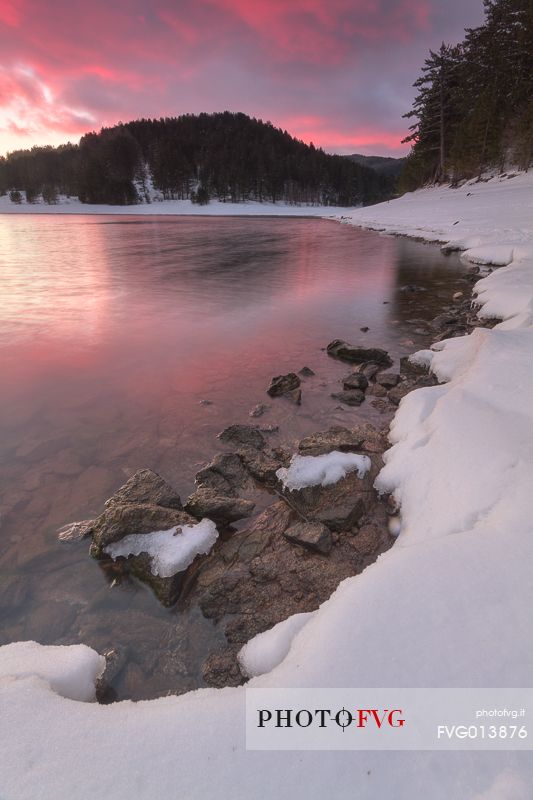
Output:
x=385 y=165
x=227 y=156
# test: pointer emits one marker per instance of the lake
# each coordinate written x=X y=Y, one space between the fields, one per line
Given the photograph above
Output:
x=131 y=342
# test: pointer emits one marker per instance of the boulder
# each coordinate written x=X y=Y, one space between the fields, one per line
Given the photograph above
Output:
x=306 y=372
x=146 y=486
x=352 y=397
x=243 y=436
x=119 y=521
x=357 y=380
x=409 y=368
x=312 y=535
x=358 y=355
x=222 y=509
x=282 y=384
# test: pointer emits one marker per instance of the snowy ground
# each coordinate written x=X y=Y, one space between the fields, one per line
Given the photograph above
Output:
x=171 y=208
x=449 y=605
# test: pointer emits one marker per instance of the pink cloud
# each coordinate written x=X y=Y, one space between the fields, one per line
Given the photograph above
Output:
x=345 y=66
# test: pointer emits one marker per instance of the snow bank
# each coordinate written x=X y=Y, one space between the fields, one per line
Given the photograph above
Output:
x=321 y=470
x=448 y=605
x=172 y=208
x=71 y=672
x=171 y=551
x=266 y=650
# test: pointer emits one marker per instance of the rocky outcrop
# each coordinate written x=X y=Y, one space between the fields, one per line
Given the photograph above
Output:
x=282 y=384
x=358 y=355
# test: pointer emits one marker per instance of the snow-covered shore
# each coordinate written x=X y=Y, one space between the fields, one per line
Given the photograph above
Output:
x=449 y=605
x=173 y=208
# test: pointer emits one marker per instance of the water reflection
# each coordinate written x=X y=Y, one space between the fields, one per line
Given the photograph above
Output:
x=111 y=332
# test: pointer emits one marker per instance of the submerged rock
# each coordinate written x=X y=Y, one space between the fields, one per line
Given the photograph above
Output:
x=222 y=509
x=243 y=436
x=306 y=372
x=282 y=384
x=358 y=355
x=295 y=396
x=258 y=410
x=357 y=380
x=352 y=397
x=388 y=379
x=312 y=535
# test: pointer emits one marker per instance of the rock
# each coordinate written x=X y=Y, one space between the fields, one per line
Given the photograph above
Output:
x=358 y=355
x=263 y=466
x=205 y=403
x=243 y=436
x=352 y=397
x=388 y=379
x=258 y=410
x=225 y=473
x=312 y=535
x=396 y=394
x=369 y=370
x=357 y=380
x=457 y=296
x=222 y=509
x=294 y=396
x=119 y=521
x=474 y=270
x=409 y=368
x=307 y=372
x=75 y=531
x=269 y=428
x=282 y=384
x=444 y=320
x=347 y=440
x=364 y=329
x=412 y=288
x=341 y=516
x=377 y=391
x=222 y=669
x=146 y=486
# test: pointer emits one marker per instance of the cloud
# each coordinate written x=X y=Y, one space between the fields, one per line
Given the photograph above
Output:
x=347 y=65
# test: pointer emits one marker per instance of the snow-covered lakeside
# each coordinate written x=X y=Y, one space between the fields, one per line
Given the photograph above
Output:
x=448 y=605
x=173 y=208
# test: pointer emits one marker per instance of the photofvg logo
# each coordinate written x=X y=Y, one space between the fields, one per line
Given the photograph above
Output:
x=304 y=717
x=388 y=719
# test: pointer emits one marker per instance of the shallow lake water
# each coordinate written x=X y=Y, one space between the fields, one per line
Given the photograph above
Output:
x=130 y=343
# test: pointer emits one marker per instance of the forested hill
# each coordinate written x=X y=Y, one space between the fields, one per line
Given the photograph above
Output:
x=474 y=103
x=383 y=164
x=226 y=156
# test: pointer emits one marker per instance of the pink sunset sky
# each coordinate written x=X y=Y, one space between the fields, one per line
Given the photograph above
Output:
x=335 y=72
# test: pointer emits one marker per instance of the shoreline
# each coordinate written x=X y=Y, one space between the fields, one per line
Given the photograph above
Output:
x=450 y=601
